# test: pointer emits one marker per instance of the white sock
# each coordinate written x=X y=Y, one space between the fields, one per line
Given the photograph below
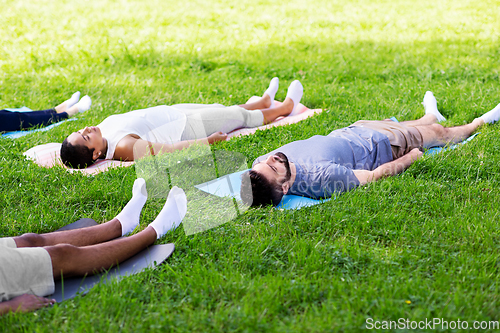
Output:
x=295 y=92
x=430 y=106
x=273 y=88
x=172 y=213
x=491 y=116
x=84 y=104
x=73 y=100
x=129 y=216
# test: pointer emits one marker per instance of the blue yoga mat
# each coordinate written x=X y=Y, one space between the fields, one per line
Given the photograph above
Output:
x=230 y=185
x=18 y=134
x=21 y=109
x=435 y=150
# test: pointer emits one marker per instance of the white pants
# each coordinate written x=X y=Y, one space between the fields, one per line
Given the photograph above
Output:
x=206 y=119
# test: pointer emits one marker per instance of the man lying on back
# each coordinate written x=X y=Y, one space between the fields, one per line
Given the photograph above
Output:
x=322 y=166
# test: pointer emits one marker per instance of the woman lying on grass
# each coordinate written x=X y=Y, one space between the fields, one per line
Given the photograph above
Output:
x=164 y=129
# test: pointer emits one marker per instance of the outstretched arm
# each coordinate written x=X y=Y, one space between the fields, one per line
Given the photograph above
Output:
x=24 y=303
x=388 y=169
x=130 y=148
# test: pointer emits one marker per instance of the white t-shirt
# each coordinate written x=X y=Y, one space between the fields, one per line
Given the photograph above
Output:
x=159 y=124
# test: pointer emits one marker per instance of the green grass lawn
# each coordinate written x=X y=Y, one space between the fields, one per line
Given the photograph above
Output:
x=421 y=245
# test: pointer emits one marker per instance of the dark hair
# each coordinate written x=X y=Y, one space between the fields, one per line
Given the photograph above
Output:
x=257 y=190
x=76 y=156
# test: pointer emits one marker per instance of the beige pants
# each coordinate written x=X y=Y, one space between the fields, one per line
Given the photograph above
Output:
x=26 y=270
x=402 y=138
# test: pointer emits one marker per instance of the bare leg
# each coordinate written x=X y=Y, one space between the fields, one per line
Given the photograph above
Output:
x=64 y=106
x=437 y=135
x=72 y=106
x=428 y=119
x=69 y=260
x=61 y=107
x=78 y=237
x=267 y=100
x=263 y=103
x=270 y=114
x=284 y=109
x=72 y=110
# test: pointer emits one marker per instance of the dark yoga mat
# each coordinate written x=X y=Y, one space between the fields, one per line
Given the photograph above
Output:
x=81 y=223
x=148 y=258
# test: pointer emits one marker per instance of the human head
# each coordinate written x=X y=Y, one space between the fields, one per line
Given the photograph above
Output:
x=267 y=182
x=81 y=149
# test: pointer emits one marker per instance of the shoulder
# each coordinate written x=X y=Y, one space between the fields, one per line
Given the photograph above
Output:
x=125 y=147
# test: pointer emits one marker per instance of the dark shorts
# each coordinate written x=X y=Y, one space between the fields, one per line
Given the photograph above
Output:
x=403 y=139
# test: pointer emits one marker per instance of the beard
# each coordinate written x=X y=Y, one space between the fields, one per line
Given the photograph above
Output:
x=286 y=163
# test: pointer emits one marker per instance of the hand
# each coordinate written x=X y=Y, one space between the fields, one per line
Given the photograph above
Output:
x=217 y=136
x=25 y=303
x=415 y=154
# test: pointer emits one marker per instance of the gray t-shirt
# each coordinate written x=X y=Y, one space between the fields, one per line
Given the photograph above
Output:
x=325 y=164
